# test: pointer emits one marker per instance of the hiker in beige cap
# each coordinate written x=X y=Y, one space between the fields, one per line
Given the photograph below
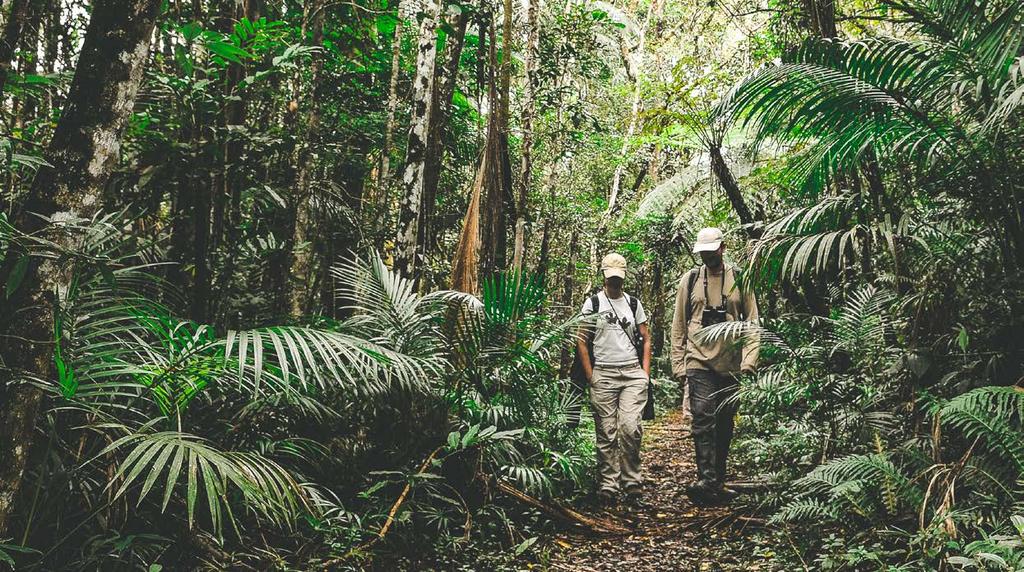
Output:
x=710 y=295
x=615 y=353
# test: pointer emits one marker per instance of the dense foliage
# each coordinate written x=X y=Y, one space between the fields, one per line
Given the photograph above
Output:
x=308 y=301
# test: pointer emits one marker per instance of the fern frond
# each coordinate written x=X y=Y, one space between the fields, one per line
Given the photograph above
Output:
x=994 y=415
x=813 y=510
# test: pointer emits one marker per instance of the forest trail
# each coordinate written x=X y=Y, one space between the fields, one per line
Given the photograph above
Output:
x=669 y=532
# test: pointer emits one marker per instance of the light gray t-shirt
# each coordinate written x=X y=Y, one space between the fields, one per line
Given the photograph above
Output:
x=613 y=335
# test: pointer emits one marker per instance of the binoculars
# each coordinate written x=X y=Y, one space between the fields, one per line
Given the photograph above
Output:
x=712 y=315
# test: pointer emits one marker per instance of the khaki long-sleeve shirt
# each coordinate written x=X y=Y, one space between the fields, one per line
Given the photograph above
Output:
x=724 y=355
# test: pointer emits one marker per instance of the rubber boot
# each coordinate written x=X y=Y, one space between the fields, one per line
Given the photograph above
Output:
x=703 y=492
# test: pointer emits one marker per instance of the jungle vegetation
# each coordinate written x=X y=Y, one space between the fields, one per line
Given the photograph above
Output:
x=293 y=285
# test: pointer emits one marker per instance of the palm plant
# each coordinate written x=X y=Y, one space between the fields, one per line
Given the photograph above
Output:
x=847 y=376
x=946 y=104
x=502 y=346
x=498 y=397
x=186 y=422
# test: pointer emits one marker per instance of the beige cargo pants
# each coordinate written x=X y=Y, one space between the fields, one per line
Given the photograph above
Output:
x=617 y=396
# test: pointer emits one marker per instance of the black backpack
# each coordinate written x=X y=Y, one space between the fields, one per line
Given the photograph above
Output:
x=578 y=377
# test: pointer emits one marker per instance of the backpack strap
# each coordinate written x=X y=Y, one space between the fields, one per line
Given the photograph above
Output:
x=595 y=305
x=691 y=279
x=633 y=302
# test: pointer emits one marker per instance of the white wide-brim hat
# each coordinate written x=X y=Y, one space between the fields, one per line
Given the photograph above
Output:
x=708 y=240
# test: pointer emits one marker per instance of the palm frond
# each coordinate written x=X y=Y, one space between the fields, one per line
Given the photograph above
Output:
x=286 y=356
x=385 y=305
x=852 y=480
x=266 y=486
x=847 y=99
x=808 y=510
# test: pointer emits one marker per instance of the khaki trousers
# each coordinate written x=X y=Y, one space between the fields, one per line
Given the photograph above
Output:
x=617 y=396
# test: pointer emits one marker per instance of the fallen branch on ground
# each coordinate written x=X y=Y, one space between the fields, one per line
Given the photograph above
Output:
x=748 y=486
x=600 y=526
x=391 y=515
x=401 y=498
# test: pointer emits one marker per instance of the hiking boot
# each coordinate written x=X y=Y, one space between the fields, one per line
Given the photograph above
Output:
x=699 y=495
x=703 y=494
x=728 y=494
x=635 y=498
x=606 y=499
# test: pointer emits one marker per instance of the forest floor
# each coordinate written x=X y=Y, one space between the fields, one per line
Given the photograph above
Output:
x=668 y=532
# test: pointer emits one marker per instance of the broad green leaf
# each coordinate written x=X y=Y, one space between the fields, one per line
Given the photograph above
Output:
x=228 y=51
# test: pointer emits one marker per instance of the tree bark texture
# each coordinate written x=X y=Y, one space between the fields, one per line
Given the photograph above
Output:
x=84 y=150
x=389 y=125
x=732 y=189
x=445 y=77
x=416 y=152
x=13 y=29
x=465 y=277
x=300 y=292
x=821 y=17
x=526 y=166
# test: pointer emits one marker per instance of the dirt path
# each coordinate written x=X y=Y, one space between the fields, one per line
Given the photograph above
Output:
x=669 y=532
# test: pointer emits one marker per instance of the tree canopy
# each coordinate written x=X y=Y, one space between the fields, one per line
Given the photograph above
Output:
x=295 y=284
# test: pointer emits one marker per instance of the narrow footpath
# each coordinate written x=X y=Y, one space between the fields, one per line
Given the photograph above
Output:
x=668 y=532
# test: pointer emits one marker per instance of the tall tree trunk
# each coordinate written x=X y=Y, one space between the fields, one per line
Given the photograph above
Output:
x=445 y=77
x=27 y=58
x=526 y=167
x=199 y=182
x=84 y=150
x=51 y=49
x=634 y=64
x=13 y=28
x=550 y=184
x=544 y=254
x=504 y=94
x=228 y=213
x=300 y=294
x=383 y=171
x=568 y=285
x=634 y=60
x=498 y=187
x=506 y=65
x=183 y=199
x=732 y=189
x=820 y=17
x=416 y=153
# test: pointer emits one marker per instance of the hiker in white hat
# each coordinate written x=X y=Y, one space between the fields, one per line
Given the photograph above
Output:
x=709 y=295
x=615 y=354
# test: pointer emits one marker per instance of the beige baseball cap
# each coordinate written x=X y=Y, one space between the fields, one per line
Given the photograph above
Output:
x=613 y=264
x=708 y=240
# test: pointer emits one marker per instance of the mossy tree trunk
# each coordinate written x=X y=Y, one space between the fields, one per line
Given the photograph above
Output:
x=83 y=153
